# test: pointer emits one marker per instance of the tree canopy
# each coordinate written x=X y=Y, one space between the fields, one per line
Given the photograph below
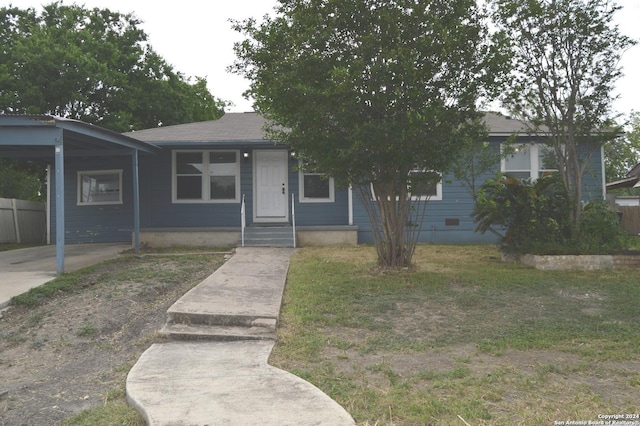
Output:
x=622 y=154
x=370 y=91
x=565 y=60
x=93 y=65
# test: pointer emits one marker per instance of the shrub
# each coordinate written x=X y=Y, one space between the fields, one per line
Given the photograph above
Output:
x=536 y=218
x=600 y=230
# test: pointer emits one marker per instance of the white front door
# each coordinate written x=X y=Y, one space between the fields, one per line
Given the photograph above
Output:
x=271 y=185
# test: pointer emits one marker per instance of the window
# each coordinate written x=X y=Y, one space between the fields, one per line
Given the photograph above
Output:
x=529 y=162
x=429 y=187
x=206 y=176
x=99 y=187
x=316 y=188
x=518 y=164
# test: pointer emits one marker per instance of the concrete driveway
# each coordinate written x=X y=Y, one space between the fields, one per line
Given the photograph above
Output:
x=23 y=269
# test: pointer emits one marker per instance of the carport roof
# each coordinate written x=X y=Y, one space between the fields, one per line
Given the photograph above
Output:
x=30 y=136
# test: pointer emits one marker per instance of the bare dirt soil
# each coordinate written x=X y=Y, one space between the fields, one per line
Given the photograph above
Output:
x=66 y=354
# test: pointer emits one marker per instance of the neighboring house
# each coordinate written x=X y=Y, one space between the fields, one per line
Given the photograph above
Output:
x=196 y=180
x=631 y=180
x=628 y=207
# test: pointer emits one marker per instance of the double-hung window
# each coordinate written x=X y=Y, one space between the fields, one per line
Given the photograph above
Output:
x=423 y=185
x=206 y=176
x=99 y=187
x=316 y=187
x=529 y=162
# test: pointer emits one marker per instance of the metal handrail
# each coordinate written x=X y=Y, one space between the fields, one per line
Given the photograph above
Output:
x=243 y=221
x=293 y=217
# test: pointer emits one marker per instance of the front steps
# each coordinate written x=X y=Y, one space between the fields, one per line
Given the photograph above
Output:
x=239 y=301
x=268 y=236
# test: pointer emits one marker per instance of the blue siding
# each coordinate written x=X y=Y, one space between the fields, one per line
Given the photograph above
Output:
x=99 y=223
x=592 y=179
x=457 y=203
x=446 y=221
x=158 y=211
x=455 y=207
x=318 y=214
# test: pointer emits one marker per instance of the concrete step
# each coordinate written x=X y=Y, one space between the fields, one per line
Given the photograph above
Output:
x=177 y=317
x=268 y=236
x=270 y=242
x=192 y=326
x=217 y=333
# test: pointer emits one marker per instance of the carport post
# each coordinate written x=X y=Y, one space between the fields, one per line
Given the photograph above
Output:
x=59 y=164
x=136 y=203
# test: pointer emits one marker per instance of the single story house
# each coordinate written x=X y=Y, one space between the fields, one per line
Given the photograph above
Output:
x=221 y=182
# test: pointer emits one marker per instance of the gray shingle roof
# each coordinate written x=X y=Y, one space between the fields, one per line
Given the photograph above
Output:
x=231 y=127
x=503 y=125
x=248 y=127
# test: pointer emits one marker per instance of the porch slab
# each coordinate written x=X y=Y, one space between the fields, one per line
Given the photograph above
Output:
x=24 y=269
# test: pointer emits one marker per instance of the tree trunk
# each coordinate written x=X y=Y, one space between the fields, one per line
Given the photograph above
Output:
x=394 y=222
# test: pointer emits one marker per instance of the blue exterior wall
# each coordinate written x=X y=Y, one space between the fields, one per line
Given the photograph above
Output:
x=318 y=214
x=457 y=205
x=446 y=221
x=592 y=180
x=95 y=223
x=158 y=210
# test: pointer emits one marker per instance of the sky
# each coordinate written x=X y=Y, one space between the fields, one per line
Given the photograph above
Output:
x=195 y=36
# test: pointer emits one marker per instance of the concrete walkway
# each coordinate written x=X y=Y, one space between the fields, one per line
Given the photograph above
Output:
x=223 y=378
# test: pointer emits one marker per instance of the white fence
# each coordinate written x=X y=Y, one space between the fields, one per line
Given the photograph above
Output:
x=22 y=221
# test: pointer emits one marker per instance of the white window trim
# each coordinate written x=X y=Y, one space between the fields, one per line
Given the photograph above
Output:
x=534 y=159
x=437 y=197
x=206 y=184
x=99 y=172
x=301 y=196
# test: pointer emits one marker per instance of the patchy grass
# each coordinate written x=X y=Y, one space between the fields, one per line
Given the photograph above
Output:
x=67 y=346
x=114 y=411
x=177 y=250
x=461 y=336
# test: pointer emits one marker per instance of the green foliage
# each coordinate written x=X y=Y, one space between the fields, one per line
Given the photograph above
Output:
x=21 y=180
x=528 y=211
x=600 y=230
x=566 y=61
x=367 y=91
x=537 y=218
x=93 y=65
x=478 y=159
x=622 y=154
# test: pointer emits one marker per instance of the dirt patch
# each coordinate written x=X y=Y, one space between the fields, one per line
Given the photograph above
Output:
x=65 y=355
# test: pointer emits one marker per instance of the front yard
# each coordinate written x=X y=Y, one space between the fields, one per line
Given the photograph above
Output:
x=463 y=338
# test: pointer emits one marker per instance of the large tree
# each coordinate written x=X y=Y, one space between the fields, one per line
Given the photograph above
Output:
x=376 y=93
x=93 y=65
x=623 y=153
x=566 y=60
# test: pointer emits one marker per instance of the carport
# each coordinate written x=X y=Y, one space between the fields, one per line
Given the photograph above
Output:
x=49 y=140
